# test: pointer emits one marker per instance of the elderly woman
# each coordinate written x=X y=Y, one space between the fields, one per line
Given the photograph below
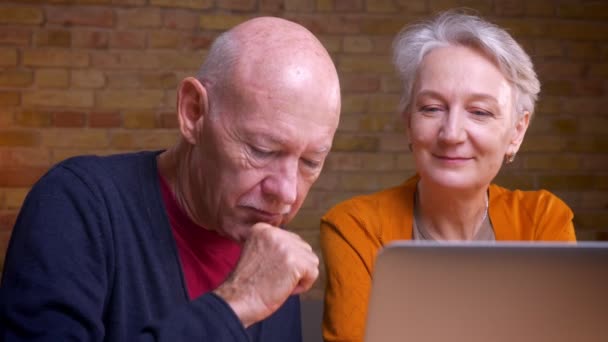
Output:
x=469 y=94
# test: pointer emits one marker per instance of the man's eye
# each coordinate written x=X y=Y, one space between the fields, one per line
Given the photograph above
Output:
x=480 y=112
x=261 y=153
x=430 y=109
x=311 y=164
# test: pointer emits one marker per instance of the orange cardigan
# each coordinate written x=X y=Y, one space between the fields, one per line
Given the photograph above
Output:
x=354 y=231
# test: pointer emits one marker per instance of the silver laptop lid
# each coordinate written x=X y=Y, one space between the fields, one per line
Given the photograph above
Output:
x=474 y=292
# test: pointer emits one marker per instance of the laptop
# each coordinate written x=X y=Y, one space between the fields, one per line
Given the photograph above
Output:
x=489 y=292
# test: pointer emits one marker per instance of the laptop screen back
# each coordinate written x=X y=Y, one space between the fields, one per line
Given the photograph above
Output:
x=489 y=292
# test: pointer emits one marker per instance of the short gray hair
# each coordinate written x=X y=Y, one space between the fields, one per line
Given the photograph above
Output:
x=454 y=28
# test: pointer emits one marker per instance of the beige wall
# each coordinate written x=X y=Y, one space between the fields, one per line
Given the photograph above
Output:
x=99 y=76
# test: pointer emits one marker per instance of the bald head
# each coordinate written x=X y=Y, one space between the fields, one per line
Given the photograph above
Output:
x=271 y=54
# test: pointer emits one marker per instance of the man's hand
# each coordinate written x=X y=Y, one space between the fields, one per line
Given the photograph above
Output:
x=274 y=264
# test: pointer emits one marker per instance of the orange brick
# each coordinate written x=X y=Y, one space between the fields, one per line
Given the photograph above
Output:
x=105 y=120
x=19 y=138
x=347 y=161
x=384 y=103
x=180 y=19
x=580 y=30
x=514 y=181
x=15 y=78
x=541 y=143
x=327 y=181
x=130 y=99
x=165 y=80
x=164 y=39
x=220 y=22
x=349 y=142
x=549 y=105
x=194 y=4
x=548 y=48
x=510 y=7
x=7 y=117
x=21 y=177
x=122 y=80
x=88 y=78
x=599 y=71
x=558 y=88
x=358 y=181
x=381 y=6
x=582 y=50
x=156 y=139
x=540 y=8
x=299 y=5
x=197 y=41
x=168 y=120
x=122 y=140
x=557 y=70
x=14 y=197
x=8 y=57
x=354 y=103
x=33 y=118
x=21 y=15
x=377 y=64
x=69 y=137
x=15 y=36
x=391 y=84
x=61 y=153
x=566 y=182
x=52 y=78
x=7 y=221
x=405 y=161
x=391 y=179
x=595 y=125
x=595 y=162
x=590 y=144
x=348 y=5
x=127 y=40
x=129 y=60
x=357 y=44
x=588 y=87
x=325 y=5
x=594 y=10
x=413 y=6
x=238 y=5
x=357 y=83
x=68 y=119
x=181 y=60
x=481 y=7
x=80 y=16
x=90 y=39
x=56 y=58
x=18 y=157
x=594 y=199
x=55 y=98
x=139 y=18
x=139 y=119
x=331 y=43
x=57 y=38
x=9 y=98
x=394 y=142
x=170 y=99
x=552 y=162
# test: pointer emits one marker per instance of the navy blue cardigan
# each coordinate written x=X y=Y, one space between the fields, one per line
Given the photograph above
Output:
x=92 y=258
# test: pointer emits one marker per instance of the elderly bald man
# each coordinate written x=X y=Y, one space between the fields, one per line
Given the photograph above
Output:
x=186 y=243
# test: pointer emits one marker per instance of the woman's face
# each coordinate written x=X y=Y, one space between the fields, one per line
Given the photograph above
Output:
x=462 y=120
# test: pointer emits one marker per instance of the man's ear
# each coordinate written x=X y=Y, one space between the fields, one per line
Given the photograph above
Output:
x=521 y=126
x=192 y=106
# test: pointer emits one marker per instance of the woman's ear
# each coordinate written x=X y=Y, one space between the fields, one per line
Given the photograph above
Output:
x=192 y=106
x=519 y=131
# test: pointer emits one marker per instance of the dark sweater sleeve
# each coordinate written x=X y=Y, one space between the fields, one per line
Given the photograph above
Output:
x=57 y=276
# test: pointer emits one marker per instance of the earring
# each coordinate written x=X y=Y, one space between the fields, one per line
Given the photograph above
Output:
x=509 y=158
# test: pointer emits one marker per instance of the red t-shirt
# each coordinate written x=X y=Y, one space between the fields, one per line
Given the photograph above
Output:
x=206 y=257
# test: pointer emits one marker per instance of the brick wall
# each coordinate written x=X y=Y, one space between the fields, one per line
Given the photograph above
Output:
x=99 y=76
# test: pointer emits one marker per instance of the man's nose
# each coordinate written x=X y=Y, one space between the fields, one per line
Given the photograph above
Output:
x=281 y=185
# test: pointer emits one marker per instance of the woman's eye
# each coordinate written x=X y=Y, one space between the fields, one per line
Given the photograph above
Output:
x=430 y=109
